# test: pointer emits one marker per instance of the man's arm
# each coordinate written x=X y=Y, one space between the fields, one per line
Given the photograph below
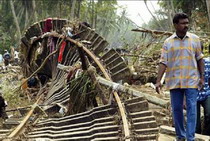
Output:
x=161 y=70
x=200 y=63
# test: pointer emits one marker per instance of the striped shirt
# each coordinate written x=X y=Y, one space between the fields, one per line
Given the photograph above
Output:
x=205 y=92
x=181 y=56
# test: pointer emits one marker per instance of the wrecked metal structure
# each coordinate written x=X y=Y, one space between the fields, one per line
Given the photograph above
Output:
x=69 y=59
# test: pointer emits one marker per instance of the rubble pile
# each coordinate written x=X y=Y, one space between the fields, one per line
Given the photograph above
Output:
x=10 y=82
x=146 y=69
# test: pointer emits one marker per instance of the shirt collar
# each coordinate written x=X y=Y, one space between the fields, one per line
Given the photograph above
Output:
x=186 y=36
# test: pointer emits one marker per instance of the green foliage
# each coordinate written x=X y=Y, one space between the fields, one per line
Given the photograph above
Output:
x=102 y=15
x=6 y=23
x=5 y=41
x=195 y=9
x=82 y=94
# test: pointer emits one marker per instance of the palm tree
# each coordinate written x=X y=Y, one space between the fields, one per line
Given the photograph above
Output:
x=15 y=19
x=34 y=9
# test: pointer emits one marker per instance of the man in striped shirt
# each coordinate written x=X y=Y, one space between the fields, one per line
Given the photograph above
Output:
x=182 y=61
x=203 y=100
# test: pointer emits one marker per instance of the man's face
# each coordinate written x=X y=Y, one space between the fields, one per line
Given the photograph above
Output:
x=182 y=26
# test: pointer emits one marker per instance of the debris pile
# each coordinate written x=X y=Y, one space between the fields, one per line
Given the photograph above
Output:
x=146 y=69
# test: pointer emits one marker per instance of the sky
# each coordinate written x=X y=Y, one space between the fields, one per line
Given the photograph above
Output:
x=137 y=11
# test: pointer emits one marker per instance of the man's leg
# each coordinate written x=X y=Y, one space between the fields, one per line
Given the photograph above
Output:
x=206 y=107
x=198 y=123
x=177 y=96
x=191 y=101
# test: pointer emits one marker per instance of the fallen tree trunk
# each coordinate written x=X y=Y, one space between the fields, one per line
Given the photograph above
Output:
x=152 y=99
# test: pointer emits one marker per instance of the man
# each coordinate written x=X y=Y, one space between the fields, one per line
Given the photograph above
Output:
x=181 y=58
x=203 y=99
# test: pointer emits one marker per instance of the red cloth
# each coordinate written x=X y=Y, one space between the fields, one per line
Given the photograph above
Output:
x=48 y=25
x=60 y=57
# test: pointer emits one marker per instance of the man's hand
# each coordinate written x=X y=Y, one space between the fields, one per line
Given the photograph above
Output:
x=161 y=71
x=158 y=86
x=201 y=83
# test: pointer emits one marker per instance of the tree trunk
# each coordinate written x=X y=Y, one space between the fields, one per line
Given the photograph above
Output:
x=26 y=19
x=60 y=7
x=208 y=9
x=15 y=19
x=78 y=8
x=172 y=8
x=92 y=14
x=170 y=12
x=34 y=10
x=99 y=3
x=73 y=9
x=145 y=1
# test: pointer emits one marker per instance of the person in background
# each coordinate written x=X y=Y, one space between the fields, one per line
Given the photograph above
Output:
x=203 y=100
x=181 y=59
x=6 y=58
x=16 y=57
x=2 y=107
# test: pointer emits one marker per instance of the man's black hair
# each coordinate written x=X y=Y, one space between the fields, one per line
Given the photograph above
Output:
x=179 y=16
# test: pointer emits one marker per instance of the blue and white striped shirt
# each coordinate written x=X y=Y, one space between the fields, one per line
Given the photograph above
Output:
x=205 y=92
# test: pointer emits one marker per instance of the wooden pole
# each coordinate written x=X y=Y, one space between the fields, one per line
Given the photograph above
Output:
x=152 y=99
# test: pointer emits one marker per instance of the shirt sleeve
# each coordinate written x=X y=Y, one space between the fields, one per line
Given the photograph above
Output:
x=164 y=54
x=198 y=52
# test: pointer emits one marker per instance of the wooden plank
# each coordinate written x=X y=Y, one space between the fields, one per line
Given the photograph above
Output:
x=165 y=137
x=171 y=131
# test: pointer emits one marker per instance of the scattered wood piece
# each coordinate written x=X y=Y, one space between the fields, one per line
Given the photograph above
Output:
x=19 y=129
x=16 y=109
x=171 y=131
